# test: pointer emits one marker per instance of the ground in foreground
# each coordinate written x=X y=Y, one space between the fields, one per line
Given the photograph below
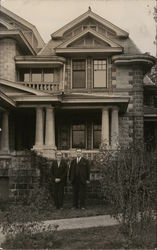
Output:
x=91 y=238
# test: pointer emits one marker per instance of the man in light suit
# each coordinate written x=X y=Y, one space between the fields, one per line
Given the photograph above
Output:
x=79 y=175
x=59 y=177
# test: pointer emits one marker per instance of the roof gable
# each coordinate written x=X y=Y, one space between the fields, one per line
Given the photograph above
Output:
x=89 y=38
x=89 y=14
x=12 y=21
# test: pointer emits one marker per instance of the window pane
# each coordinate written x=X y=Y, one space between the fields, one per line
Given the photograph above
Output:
x=36 y=75
x=100 y=73
x=79 y=79
x=79 y=74
x=96 y=135
x=99 y=79
x=78 y=136
x=24 y=75
x=48 y=75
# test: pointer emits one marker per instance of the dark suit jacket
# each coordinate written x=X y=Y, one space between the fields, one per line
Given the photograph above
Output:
x=84 y=170
x=59 y=172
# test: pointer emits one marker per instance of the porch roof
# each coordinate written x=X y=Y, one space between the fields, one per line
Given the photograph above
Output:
x=75 y=100
x=6 y=102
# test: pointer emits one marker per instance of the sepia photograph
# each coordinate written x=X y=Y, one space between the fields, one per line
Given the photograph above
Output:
x=78 y=124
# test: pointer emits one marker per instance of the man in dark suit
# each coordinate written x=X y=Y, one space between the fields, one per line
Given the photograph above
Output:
x=59 y=177
x=79 y=175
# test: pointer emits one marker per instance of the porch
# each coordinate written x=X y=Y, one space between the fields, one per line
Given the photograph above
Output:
x=47 y=129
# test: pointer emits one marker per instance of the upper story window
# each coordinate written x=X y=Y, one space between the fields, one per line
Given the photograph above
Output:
x=79 y=73
x=48 y=75
x=100 y=76
x=24 y=75
x=36 y=75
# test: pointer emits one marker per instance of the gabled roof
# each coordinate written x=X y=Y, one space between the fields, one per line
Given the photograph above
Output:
x=25 y=23
x=18 y=36
x=89 y=13
x=85 y=32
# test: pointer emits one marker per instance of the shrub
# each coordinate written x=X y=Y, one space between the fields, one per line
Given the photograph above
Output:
x=129 y=185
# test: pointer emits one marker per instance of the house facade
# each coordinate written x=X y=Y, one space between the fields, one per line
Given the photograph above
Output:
x=83 y=88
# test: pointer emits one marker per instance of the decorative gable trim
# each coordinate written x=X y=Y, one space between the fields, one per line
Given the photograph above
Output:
x=92 y=32
x=7 y=25
x=89 y=13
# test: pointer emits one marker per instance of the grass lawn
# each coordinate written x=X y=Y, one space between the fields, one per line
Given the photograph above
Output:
x=92 y=238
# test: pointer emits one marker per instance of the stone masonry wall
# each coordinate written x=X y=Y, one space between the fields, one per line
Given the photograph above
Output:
x=7 y=62
x=21 y=173
x=128 y=81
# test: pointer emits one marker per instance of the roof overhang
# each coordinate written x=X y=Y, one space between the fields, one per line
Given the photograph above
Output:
x=90 y=51
x=6 y=102
x=20 y=38
x=75 y=100
x=144 y=60
x=39 y=61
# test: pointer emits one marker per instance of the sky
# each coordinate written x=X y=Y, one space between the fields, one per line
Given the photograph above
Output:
x=133 y=16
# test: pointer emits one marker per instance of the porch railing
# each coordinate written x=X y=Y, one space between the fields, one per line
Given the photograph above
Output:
x=43 y=86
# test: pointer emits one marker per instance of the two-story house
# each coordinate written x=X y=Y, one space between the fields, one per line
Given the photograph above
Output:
x=83 y=88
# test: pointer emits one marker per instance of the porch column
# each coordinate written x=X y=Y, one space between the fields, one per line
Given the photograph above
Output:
x=114 y=127
x=105 y=126
x=5 y=132
x=50 y=128
x=39 y=128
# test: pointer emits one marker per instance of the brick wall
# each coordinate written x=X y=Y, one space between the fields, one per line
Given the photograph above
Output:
x=7 y=63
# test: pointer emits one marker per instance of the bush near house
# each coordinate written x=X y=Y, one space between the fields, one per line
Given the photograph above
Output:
x=129 y=184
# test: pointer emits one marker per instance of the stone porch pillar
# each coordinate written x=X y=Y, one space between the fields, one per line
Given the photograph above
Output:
x=5 y=132
x=114 y=127
x=39 y=129
x=105 y=126
x=50 y=128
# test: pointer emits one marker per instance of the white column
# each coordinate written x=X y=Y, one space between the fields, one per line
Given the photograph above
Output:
x=39 y=128
x=50 y=128
x=5 y=132
x=114 y=127
x=105 y=126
